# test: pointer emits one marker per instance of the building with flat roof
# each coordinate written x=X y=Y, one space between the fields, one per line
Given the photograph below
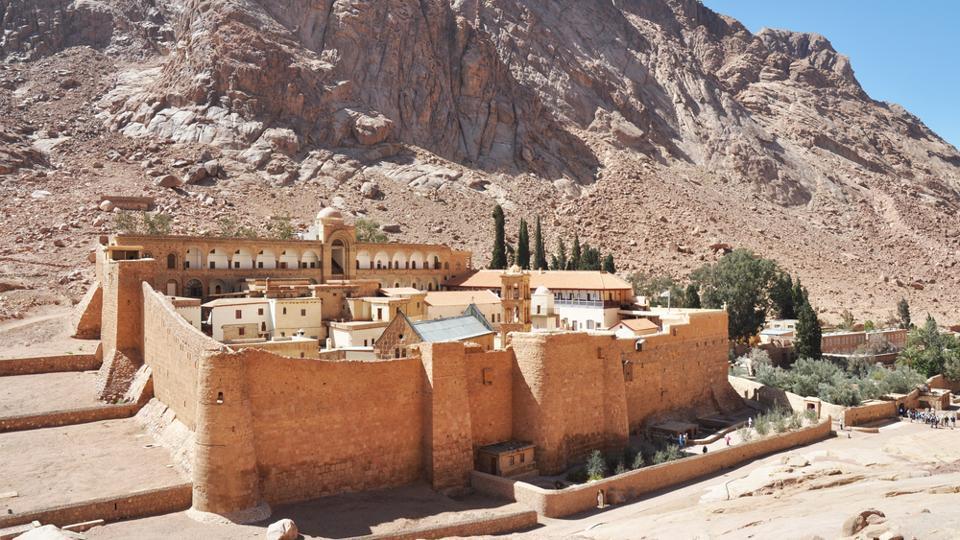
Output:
x=583 y=299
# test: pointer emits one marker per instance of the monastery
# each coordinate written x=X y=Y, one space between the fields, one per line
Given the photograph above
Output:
x=309 y=367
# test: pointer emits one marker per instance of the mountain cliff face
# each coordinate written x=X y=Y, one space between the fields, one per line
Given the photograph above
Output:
x=652 y=127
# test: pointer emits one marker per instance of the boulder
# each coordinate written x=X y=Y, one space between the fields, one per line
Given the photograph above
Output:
x=858 y=522
x=371 y=130
x=390 y=227
x=212 y=167
x=167 y=181
x=370 y=190
x=195 y=174
x=282 y=140
x=106 y=206
x=285 y=529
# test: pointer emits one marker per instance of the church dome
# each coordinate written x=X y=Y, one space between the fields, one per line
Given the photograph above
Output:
x=542 y=290
x=329 y=213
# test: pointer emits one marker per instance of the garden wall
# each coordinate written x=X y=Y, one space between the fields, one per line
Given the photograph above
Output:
x=48 y=364
x=939 y=381
x=67 y=417
x=869 y=411
x=559 y=503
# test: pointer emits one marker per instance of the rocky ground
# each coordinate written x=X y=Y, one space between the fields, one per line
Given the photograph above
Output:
x=652 y=129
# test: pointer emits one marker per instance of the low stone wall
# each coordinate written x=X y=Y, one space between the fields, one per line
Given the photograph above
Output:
x=498 y=524
x=939 y=381
x=869 y=412
x=67 y=417
x=132 y=505
x=48 y=364
x=559 y=503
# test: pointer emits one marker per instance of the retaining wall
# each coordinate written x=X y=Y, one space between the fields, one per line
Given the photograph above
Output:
x=869 y=412
x=559 y=503
x=48 y=364
x=67 y=417
x=132 y=505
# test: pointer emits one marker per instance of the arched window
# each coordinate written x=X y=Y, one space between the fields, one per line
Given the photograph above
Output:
x=171 y=261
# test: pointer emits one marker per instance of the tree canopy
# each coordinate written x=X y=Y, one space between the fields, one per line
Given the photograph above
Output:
x=740 y=280
x=930 y=351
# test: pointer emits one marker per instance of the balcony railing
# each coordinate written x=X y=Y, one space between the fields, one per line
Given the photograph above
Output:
x=586 y=303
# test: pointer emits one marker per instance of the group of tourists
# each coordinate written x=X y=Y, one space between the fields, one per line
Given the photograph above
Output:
x=935 y=419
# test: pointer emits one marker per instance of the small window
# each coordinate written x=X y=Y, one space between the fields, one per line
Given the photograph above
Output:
x=400 y=337
x=259 y=311
x=396 y=353
x=242 y=331
x=263 y=326
x=303 y=313
x=213 y=264
x=236 y=264
x=301 y=355
x=364 y=343
x=259 y=264
x=239 y=313
x=512 y=460
x=186 y=265
x=219 y=398
x=284 y=311
x=523 y=458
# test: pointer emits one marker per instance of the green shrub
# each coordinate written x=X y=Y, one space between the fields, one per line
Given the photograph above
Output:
x=796 y=421
x=810 y=415
x=621 y=468
x=762 y=425
x=638 y=462
x=746 y=434
x=596 y=466
x=577 y=475
x=668 y=453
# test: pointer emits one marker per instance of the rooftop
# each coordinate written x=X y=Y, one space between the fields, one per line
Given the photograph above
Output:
x=552 y=279
x=639 y=325
x=470 y=324
x=461 y=298
x=220 y=302
x=400 y=291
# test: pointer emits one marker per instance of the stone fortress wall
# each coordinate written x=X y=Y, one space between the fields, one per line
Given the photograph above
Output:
x=270 y=429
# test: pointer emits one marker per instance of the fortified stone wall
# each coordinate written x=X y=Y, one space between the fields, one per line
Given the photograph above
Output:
x=490 y=388
x=683 y=370
x=173 y=348
x=568 y=397
x=328 y=427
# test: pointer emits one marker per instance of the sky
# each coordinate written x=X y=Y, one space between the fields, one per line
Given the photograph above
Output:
x=901 y=51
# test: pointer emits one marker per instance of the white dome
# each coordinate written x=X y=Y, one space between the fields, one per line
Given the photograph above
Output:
x=329 y=213
x=542 y=290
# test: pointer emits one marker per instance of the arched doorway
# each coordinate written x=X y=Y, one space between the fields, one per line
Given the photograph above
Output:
x=338 y=255
x=193 y=289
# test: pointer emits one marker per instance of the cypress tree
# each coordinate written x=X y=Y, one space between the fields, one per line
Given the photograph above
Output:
x=692 y=297
x=560 y=261
x=576 y=254
x=498 y=261
x=539 y=252
x=523 y=246
x=809 y=335
x=608 y=265
x=903 y=314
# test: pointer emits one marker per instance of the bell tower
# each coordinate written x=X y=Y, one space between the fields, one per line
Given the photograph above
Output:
x=515 y=302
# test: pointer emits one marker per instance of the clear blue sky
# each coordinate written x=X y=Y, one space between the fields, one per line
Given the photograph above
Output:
x=905 y=52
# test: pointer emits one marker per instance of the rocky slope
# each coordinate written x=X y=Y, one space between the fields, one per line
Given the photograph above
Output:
x=654 y=128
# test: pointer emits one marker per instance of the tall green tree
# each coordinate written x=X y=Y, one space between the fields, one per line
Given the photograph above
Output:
x=539 y=251
x=576 y=253
x=781 y=296
x=929 y=351
x=692 y=297
x=498 y=260
x=809 y=335
x=559 y=260
x=608 y=264
x=740 y=280
x=590 y=258
x=523 y=246
x=903 y=314
x=799 y=295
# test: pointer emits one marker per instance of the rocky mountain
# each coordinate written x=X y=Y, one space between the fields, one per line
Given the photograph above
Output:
x=653 y=128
